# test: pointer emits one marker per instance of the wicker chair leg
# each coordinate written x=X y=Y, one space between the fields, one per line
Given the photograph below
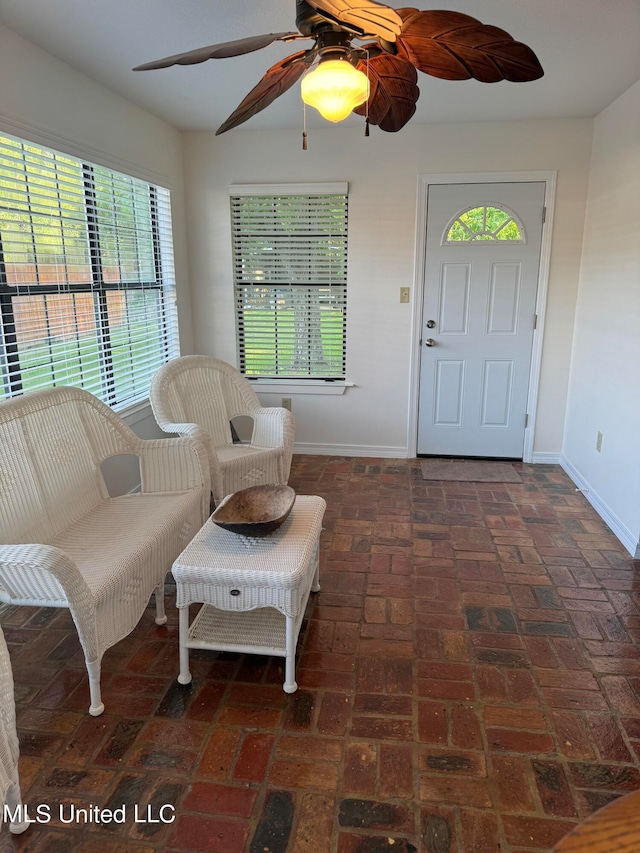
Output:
x=96 y=708
x=13 y=799
x=161 y=618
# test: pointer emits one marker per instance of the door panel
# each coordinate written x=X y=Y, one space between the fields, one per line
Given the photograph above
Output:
x=479 y=297
x=449 y=390
x=504 y=296
x=454 y=302
x=497 y=384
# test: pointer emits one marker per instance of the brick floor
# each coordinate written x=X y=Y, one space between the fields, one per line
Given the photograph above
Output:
x=469 y=680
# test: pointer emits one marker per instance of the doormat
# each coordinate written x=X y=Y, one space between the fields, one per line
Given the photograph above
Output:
x=469 y=471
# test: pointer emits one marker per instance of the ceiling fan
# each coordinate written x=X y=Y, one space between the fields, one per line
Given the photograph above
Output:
x=383 y=47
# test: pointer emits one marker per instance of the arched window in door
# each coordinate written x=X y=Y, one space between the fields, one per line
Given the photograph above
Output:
x=490 y=222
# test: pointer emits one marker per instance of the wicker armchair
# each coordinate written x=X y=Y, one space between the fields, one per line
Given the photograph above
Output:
x=9 y=782
x=64 y=542
x=199 y=396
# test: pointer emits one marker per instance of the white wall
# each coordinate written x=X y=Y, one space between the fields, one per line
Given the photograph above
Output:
x=604 y=393
x=46 y=101
x=382 y=171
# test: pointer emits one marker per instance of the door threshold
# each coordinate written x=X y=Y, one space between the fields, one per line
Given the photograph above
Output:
x=474 y=458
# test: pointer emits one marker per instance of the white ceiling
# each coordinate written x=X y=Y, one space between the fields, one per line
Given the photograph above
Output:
x=590 y=50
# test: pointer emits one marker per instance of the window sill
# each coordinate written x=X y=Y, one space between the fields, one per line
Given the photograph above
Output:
x=134 y=412
x=301 y=386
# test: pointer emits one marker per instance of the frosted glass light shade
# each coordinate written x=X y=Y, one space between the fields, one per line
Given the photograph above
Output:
x=335 y=88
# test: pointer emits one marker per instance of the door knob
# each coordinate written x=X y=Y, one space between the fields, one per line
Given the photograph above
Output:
x=429 y=342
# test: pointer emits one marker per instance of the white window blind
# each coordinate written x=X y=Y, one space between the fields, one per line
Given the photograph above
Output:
x=290 y=275
x=87 y=283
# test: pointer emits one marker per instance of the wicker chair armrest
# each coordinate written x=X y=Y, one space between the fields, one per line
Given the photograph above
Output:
x=35 y=574
x=175 y=464
x=273 y=426
x=39 y=572
x=194 y=431
x=197 y=432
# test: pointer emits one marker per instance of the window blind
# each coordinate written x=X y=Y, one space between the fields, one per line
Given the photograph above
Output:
x=87 y=283
x=290 y=275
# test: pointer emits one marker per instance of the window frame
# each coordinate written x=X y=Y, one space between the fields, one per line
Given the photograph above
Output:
x=484 y=236
x=313 y=382
x=96 y=286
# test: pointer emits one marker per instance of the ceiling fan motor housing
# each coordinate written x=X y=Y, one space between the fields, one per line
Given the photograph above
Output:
x=307 y=19
x=334 y=45
x=310 y=21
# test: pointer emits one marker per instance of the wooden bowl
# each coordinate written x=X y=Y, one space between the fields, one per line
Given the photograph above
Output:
x=256 y=511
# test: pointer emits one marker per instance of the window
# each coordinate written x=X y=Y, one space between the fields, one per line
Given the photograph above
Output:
x=87 y=287
x=485 y=223
x=290 y=278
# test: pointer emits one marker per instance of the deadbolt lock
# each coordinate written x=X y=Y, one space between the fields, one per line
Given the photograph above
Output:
x=431 y=324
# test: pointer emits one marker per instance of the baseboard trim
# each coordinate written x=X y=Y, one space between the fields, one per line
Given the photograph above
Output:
x=390 y=452
x=620 y=530
x=350 y=450
x=545 y=458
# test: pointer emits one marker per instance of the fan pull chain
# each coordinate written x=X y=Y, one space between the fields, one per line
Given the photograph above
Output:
x=304 y=126
x=366 y=118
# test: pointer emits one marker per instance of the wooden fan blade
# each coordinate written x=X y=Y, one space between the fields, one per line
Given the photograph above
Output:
x=218 y=51
x=278 y=79
x=394 y=93
x=454 y=46
x=365 y=15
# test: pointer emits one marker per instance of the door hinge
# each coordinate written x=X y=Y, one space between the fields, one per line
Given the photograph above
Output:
x=526 y=420
x=544 y=215
x=535 y=321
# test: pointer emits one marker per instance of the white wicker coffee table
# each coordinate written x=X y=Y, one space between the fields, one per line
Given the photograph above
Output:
x=253 y=590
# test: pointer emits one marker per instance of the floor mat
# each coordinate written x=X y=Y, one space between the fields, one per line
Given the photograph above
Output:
x=469 y=470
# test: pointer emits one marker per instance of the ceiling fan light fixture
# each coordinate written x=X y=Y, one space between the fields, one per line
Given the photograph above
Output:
x=335 y=88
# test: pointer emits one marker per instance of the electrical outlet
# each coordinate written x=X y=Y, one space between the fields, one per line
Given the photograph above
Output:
x=286 y=403
x=404 y=294
x=599 y=442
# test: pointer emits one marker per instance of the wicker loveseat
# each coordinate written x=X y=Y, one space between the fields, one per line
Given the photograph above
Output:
x=64 y=542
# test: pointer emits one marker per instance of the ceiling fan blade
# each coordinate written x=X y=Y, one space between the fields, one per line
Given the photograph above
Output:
x=394 y=93
x=367 y=16
x=278 y=79
x=218 y=51
x=454 y=46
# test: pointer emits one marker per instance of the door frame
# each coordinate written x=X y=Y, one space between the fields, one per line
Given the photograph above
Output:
x=424 y=182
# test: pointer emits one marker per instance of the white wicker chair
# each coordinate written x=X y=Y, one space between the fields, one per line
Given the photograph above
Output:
x=9 y=751
x=65 y=542
x=199 y=396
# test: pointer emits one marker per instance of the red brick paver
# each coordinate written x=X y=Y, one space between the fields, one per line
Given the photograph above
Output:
x=469 y=682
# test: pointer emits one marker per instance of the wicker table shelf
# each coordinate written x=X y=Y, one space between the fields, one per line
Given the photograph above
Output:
x=253 y=590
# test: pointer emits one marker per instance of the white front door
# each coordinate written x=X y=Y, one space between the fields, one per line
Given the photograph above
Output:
x=481 y=275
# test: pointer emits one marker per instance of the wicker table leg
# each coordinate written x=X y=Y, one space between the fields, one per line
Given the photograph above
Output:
x=315 y=584
x=290 y=685
x=185 y=676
